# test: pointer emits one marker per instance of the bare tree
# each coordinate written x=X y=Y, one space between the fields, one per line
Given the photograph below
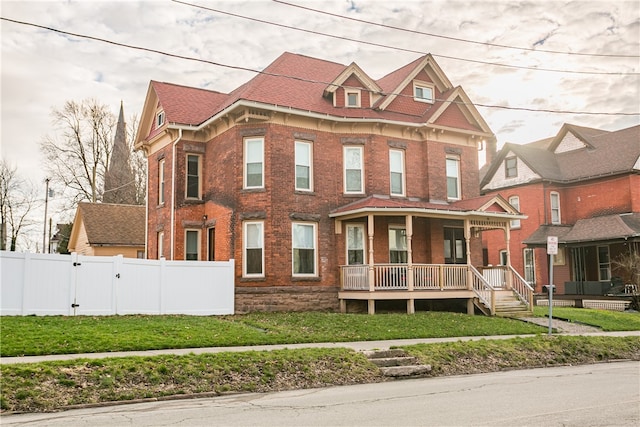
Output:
x=17 y=199
x=79 y=154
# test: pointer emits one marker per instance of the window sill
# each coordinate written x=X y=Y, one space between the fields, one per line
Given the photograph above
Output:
x=305 y=279
x=193 y=201
x=305 y=192
x=253 y=279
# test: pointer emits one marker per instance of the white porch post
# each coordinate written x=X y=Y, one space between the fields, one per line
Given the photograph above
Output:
x=467 y=241
x=507 y=237
x=370 y=227
x=409 y=229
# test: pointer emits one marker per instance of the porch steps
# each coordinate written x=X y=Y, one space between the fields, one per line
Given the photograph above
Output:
x=509 y=305
x=397 y=364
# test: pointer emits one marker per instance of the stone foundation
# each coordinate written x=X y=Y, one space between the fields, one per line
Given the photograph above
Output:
x=286 y=298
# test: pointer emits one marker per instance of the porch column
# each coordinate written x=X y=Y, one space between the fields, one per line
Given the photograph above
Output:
x=467 y=242
x=370 y=227
x=411 y=309
x=507 y=238
x=409 y=231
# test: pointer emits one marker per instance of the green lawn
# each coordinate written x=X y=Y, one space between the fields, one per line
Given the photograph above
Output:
x=56 y=385
x=604 y=319
x=33 y=335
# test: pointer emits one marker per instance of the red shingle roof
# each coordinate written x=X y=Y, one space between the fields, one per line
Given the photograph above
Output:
x=293 y=81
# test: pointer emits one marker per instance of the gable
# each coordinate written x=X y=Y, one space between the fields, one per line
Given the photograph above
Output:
x=524 y=174
x=569 y=142
x=454 y=116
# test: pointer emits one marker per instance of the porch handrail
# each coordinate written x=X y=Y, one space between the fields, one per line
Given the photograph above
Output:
x=483 y=290
x=522 y=288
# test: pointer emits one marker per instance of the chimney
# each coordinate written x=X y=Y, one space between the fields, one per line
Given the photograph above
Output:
x=492 y=147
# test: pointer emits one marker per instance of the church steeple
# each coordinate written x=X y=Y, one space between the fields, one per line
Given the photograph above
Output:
x=119 y=180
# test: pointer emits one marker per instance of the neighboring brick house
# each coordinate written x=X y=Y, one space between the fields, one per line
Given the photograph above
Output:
x=325 y=185
x=104 y=229
x=582 y=186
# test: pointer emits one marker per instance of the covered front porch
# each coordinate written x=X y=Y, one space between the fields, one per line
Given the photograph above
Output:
x=407 y=250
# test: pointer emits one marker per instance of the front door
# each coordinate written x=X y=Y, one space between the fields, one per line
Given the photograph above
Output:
x=454 y=246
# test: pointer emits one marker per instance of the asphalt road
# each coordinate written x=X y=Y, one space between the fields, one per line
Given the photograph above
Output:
x=605 y=394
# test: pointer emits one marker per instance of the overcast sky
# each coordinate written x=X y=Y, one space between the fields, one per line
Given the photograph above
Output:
x=42 y=69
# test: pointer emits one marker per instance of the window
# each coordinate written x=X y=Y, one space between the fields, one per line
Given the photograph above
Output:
x=423 y=92
x=511 y=167
x=253 y=260
x=355 y=244
x=303 y=157
x=193 y=176
x=396 y=168
x=503 y=257
x=397 y=245
x=159 y=119
x=352 y=98
x=555 y=208
x=304 y=249
x=140 y=254
x=515 y=202
x=529 y=266
x=604 y=264
x=254 y=163
x=453 y=177
x=161 y=182
x=160 y=244
x=353 y=173
x=192 y=245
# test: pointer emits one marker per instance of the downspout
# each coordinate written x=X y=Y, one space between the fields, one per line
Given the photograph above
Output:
x=173 y=191
x=146 y=213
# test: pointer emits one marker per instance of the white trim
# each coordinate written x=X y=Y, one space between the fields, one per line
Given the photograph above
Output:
x=198 y=242
x=344 y=169
x=424 y=85
x=401 y=172
x=357 y=93
x=245 y=143
x=315 y=248
x=310 y=165
x=186 y=176
x=244 y=248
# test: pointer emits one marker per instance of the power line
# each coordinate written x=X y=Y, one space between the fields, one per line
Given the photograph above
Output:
x=377 y=24
x=496 y=64
x=236 y=67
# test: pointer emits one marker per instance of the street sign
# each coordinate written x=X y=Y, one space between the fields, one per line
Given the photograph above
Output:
x=552 y=245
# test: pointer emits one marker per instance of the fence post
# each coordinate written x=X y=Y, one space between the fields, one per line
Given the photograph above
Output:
x=74 y=283
x=115 y=282
x=26 y=278
x=163 y=285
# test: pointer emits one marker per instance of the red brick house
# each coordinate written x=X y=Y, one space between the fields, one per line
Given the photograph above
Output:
x=582 y=186
x=329 y=188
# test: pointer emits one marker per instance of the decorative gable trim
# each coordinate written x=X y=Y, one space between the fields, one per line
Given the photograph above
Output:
x=496 y=178
x=460 y=98
x=431 y=68
x=356 y=71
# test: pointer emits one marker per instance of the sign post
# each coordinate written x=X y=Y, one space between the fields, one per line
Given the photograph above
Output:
x=552 y=249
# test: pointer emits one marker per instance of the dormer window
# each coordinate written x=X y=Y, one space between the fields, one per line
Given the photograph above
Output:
x=423 y=92
x=511 y=167
x=160 y=119
x=352 y=98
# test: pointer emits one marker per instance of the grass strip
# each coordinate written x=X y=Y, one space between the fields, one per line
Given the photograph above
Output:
x=604 y=319
x=52 y=386
x=33 y=335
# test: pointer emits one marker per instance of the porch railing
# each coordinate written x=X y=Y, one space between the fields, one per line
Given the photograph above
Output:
x=506 y=277
x=483 y=290
x=521 y=287
x=394 y=276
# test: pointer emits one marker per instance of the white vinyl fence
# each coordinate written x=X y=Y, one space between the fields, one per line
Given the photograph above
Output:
x=52 y=284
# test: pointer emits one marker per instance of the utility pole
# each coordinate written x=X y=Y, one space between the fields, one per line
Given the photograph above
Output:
x=46 y=203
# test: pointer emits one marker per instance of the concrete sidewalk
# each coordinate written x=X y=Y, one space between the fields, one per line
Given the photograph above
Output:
x=357 y=346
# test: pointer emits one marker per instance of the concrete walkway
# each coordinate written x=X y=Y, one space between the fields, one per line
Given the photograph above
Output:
x=565 y=328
